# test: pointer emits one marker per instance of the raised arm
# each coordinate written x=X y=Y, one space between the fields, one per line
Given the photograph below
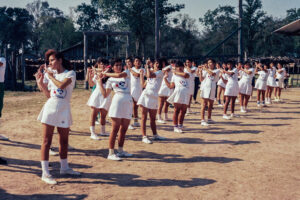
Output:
x=60 y=84
x=182 y=74
x=39 y=76
x=105 y=92
x=170 y=85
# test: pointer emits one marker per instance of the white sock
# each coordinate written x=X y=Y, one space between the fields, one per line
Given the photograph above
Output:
x=158 y=116
x=102 y=128
x=92 y=130
x=45 y=167
x=166 y=116
x=64 y=164
x=120 y=149
x=111 y=151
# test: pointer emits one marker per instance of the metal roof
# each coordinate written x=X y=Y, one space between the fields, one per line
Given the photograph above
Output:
x=292 y=29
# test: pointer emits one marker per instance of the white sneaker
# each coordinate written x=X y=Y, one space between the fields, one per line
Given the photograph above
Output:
x=69 y=172
x=220 y=105
x=124 y=154
x=268 y=102
x=104 y=134
x=113 y=157
x=243 y=111
x=48 y=179
x=161 y=121
x=258 y=105
x=97 y=122
x=204 y=123
x=2 y=137
x=157 y=137
x=234 y=115
x=226 y=117
x=130 y=127
x=176 y=130
x=180 y=130
x=136 y=124
x=52 y=152
x=95 y=137
x=210 y=121
x=146 y=140
x=276 y=100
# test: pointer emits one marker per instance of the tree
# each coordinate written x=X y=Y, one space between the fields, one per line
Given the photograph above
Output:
x=15 y=26
x=137 y=16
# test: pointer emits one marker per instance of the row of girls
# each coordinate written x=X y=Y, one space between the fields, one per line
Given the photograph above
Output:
x=164 y=84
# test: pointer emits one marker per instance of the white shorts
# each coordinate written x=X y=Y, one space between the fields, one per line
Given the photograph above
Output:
x=280 y=83
x=245 y=88
x=148 y=100
x=232 y=89
x=180 y=95
x=208 y=93
x=56 y=112
x=271 y=82
x=121 y=106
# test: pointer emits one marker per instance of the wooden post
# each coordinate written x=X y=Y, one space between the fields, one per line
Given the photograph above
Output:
x=240 y=32
x=13 y=70
x=106 y=46
x=157 y=45
x=23 y=68
x=85 y=52
x=127 y=47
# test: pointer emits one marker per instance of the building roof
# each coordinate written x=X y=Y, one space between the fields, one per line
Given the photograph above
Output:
x=292 y=29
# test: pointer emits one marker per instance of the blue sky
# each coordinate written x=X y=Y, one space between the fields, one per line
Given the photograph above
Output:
x=195 y=8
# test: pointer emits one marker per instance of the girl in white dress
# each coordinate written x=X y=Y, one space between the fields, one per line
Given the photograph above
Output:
x=180 y=98
x=271 y=82
x=56 y=112
x=231 y=90
x=191 y=70
x=136 y=87
x=261 y=83
x=97 y=102
x=280 y=76
x=245 y=85
x=221 y=86
x=209 y=77
x=164 y=93
x=120 y=109
x=149 y=100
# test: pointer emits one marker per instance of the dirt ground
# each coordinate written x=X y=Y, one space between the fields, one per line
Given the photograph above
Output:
x=256 y=156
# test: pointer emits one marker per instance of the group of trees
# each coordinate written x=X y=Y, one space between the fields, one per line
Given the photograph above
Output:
x=39 y=26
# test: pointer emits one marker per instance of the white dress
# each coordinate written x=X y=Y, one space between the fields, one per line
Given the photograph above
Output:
x=191 y=79
x=97 y=100
x=209 y=85
x=271 y=78
x=136 y=88
x=181 y=92
x=164 y=90
x=245 y=83
x=280 y=78
x=232 y=86
x=149 y=96
x=261 y=82
x=221 y=83
x=57 y=110
x=121 y=105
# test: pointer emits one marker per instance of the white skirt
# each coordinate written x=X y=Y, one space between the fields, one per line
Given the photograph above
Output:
x=180 y=95
x=121 y=106
x=165 y=91
x=136 y=93
x=245 y=87
x=232 y=89
x=97 y=100
x=271 y=82
x=209 y=93
x=148 y=100
x=56 y=112
x=280 y=83
x=261 y=85
x=221 y=83
x=192 y=88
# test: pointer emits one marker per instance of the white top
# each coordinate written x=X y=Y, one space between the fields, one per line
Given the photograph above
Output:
x=66 y=93
x=2 y=69
x=119 y=85
x=170 y=74
x=179 y=81
x=135 y=81
x=247 y=77
x=208 y=79
x=233 y=77
x=263 y=76
x=155 y=83
x=191 y=79
x=281 y=75
x=272 y=72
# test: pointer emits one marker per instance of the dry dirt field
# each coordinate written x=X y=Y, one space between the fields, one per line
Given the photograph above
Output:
x=256 y=156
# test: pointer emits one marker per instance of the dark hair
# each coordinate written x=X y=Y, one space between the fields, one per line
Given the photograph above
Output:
x=137 y=57
x=164 y=59
x=129 y=58
x=179 y=64
x=102 y=60
x=211 y=60
x=159 y=63
x=248 y=63
x=230 y=62
x=58 y=55
x=115 y=60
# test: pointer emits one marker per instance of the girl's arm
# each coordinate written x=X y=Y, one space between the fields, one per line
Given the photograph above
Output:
x=105 y=92
x=115 y=75
x=60 y=84
x=223 y=79
x=170 y=85
x=209 y=72
x=246 y=71
x=41 y=85
x=150 y=74
x=182 y=74
x=142 y=80
x=133 y=72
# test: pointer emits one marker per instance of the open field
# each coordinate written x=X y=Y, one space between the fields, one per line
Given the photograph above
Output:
x=256 y=156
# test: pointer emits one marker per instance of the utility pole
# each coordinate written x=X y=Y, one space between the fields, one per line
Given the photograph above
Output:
x=157 y=44
x=240 y=33
x=85 y=52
